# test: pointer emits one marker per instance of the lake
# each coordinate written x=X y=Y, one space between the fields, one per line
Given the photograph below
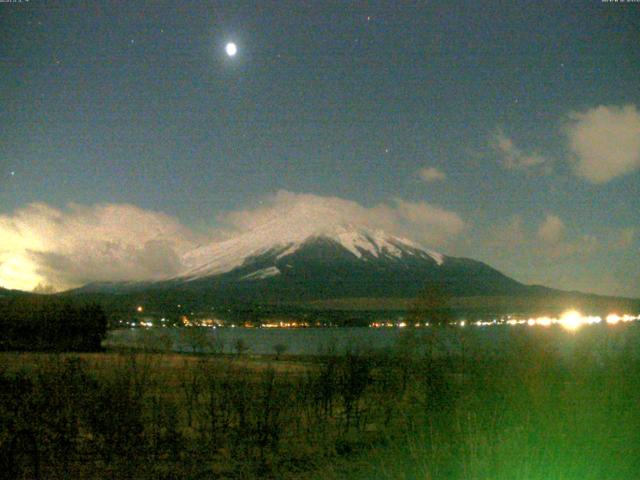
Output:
x=598 y=339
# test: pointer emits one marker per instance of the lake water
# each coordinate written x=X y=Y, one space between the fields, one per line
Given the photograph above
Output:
x=602 y=339
x=299 y=341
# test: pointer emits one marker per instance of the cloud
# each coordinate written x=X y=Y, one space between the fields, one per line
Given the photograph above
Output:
x=605 y=142
x=551 y=230
x=556 y=243
x=43 y=246
x=625 y=239
x=553 y=253
x=298 y=212
x=431 y=174
x=425 y=222
x=549 y=241
x=512 y=158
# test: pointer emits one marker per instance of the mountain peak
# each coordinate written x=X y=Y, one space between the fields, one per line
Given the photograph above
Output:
x=363 y=241
x=282 y=240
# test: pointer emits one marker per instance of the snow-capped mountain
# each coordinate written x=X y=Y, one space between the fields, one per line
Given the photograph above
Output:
x=336 y=261
x=362 y=243
x=277 y=269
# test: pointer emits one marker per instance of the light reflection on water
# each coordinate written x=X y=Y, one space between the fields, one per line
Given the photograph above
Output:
x=602 y=337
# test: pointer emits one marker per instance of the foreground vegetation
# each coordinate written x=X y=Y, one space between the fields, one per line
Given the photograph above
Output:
x=528 y=411
x=45 y=323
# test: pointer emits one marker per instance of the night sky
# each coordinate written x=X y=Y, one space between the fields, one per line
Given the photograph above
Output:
x=508 y=132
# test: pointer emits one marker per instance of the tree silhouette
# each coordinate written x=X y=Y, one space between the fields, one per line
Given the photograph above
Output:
x=280 y=348
x=48 y=324
x=432 y=305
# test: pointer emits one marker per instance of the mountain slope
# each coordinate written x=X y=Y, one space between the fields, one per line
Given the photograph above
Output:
x=335 y=262
x=7 y=294
x=334 y=269
x=221 y=257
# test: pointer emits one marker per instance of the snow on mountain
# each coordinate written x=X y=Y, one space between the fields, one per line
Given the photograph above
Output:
x=281 y=262
x=262 y=274
x=280 y=239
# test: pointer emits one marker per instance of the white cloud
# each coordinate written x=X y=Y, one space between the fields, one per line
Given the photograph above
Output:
x=551 y=230
x=549 y=241
x=427 y=223
x=553 y=252
x=431 y=174
x=513 y=158
x=41 y=245
x=605 y=141
x=557 y=243
x=288 y=211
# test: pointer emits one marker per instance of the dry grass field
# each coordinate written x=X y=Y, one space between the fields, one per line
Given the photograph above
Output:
x=528 y=412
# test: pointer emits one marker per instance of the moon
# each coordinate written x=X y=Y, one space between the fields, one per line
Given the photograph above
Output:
x=231 y=49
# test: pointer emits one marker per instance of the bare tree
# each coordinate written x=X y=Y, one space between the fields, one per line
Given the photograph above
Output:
x=240 y=346
x=280 y=348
